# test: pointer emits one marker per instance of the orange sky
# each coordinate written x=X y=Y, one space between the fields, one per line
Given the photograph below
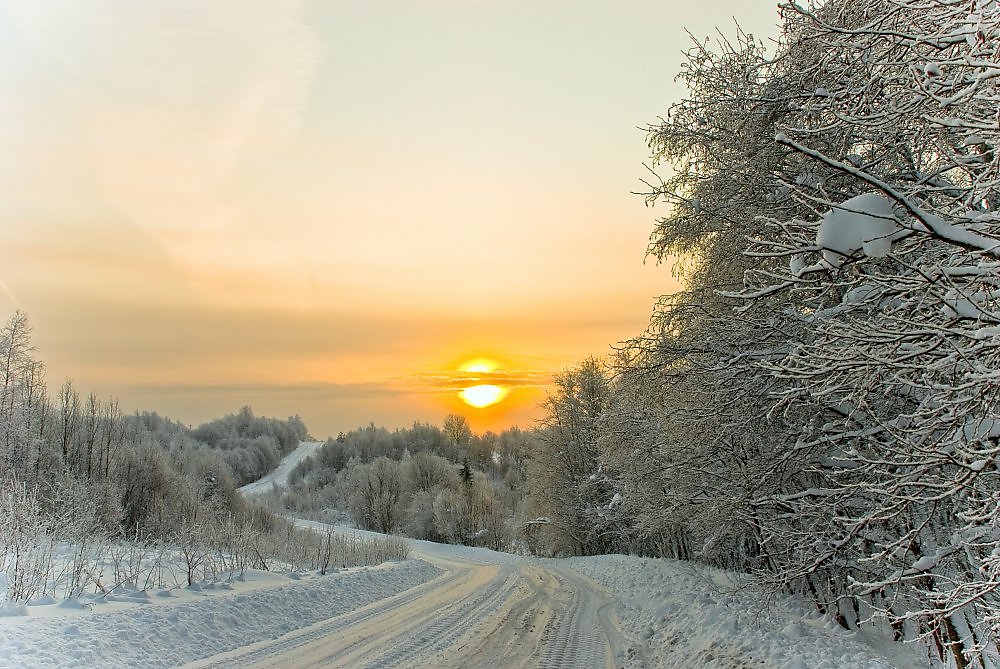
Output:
x=324 y=208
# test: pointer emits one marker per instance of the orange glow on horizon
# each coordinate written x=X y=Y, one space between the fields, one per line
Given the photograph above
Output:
x=236 y=246
x=520 y=407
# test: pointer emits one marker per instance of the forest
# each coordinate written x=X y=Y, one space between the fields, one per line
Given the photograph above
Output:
x=82 y=484
x=817 y=408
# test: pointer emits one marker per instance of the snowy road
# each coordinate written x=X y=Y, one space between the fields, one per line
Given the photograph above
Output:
x=485 y=610
x=279 y=476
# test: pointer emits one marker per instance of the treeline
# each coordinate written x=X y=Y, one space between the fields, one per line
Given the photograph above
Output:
x=76 y=469
x=128 y=468
x=819 y=405
x=447 y=485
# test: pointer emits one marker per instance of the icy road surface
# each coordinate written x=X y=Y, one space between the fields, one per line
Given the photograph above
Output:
x=485 y=609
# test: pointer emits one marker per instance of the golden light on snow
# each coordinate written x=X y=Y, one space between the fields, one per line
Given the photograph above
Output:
x=483 y=395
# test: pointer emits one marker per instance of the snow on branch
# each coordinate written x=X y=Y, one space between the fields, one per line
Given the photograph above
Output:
x=932 y=224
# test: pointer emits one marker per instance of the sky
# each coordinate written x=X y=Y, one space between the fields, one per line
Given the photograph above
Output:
x=334 y=209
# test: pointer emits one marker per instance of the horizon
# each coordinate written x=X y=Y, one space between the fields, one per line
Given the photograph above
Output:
x=334 y=210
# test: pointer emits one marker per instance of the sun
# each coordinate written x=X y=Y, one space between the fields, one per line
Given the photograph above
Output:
x=483 y=393
x=483 y=396
x=479 y=366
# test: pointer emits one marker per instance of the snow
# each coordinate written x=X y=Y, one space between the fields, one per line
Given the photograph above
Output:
x=959 y=235
x=169 y=628
x=279 y=477
x=863 y=223
x=451 y=606
x=447 y=606
x=862 y=294
x=796 y=264
x=977 y=429
x=959 y=304
x=682 y=616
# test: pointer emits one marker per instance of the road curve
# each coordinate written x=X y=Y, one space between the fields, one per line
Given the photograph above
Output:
x=486 y=609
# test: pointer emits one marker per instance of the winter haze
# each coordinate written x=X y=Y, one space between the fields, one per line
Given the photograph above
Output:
x=417 y=219
x=325 y=208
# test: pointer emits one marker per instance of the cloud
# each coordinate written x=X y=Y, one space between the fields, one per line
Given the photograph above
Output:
x=450 y=382
x=322 y=392
x=412 y=384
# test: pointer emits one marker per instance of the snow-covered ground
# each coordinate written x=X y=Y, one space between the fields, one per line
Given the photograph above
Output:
x=448 y=606
x=279 y=477
x=171 y=629
x=677 y=615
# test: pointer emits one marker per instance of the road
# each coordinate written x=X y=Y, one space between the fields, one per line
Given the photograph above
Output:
x=279 y=476
x=486 y=609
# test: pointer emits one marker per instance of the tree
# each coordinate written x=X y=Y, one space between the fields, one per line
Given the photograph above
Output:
x=568 y=484
x=425 y=472
x=69 y=422
x=685 y=440
x=451 y=515
x=899 y=271
x=419 y=521
x=457 y=429
x=375 y=495
x=21 y=386
x=859 y=326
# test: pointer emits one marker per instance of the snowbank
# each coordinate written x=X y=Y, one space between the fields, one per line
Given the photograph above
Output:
x=173 y=627
x=681 y=616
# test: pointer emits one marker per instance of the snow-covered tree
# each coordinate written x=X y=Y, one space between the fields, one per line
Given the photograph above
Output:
x=568 y=485
x=376 y=489
x=689 y=430
x=845 y=359
x=897 y=273
x=23 y=398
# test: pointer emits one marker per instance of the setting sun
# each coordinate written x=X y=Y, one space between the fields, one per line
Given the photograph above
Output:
x=480 y=372
x=482 y=396
x=479 y=365
x=247 y=220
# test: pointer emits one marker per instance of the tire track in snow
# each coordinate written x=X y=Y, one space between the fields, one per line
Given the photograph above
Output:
x=486 y=610
x=419 y=623
x=439 y=631
x=262 y=651
x=581 y=634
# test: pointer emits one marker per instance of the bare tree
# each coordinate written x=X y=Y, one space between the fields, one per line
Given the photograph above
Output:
x=457 y=429
x=19 y=375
